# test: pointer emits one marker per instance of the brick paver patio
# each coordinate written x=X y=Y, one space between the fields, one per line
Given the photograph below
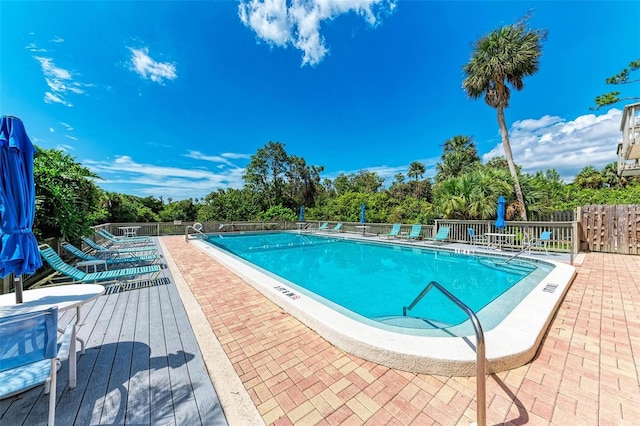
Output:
x=586 y=372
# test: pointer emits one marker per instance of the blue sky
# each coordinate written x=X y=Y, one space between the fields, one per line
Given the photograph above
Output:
x=172 y=98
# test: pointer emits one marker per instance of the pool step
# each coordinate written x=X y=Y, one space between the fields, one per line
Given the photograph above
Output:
x=518 y=268
x=412 y=322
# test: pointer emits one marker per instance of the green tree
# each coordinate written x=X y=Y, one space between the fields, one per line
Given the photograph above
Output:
x=184 y=210
x=588 y=178
x=471 y=195
x=621 y=78
x=416 y=170
x=230 y=204
x=303 y=181
x=67 y=197
x=265 y=173
x=362 y=181
x=459 y=154
x=610 y=176
x=502 y=58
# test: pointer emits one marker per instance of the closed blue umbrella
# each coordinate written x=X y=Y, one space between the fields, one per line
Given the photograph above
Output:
x=500 y=223
x=362 y=220
x=18 y=246
x=301 y=217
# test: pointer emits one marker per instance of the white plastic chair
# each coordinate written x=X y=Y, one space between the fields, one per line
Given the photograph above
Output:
x=29 y=353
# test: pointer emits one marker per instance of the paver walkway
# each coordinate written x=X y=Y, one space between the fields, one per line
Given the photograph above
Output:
x=586 y=372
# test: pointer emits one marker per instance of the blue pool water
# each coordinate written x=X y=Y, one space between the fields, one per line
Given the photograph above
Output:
x=375 y=280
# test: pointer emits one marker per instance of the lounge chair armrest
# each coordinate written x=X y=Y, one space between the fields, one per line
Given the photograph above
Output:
x=68 y=337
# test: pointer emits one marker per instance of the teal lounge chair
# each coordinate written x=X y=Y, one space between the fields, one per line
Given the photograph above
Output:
x=125 y=277
x=395 y=230
x=540 y=242
x=337 y=228
x=476 y=239
x=415 y=232
x=113 y=239
x=323 y=227
x=103 y=251
x=441 y=235
x=130 y=260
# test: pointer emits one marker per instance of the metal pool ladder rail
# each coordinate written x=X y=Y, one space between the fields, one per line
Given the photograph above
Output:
x=481 y=378
x=196 y=227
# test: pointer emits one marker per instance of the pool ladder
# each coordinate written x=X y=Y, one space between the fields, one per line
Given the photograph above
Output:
x=481 y=378
x=196 y=227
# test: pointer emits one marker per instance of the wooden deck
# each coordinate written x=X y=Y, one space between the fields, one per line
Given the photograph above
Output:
x=142 y=366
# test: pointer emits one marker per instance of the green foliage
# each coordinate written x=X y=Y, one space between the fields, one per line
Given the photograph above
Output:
x=278 y=213
x=621 y=78
x=67 y=198
x=472 y=195
x=363 y=181
x=184 y=210
x=459 y=156
x=282 y=179
x=416 y=170
x=230 y=204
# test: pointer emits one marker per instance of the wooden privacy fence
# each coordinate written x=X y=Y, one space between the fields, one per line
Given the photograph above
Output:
x=610 y=229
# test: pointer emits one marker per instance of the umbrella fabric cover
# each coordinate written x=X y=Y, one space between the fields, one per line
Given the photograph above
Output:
x=500 y=223
x=362 y=213
x=301 y=217
x=18 y=246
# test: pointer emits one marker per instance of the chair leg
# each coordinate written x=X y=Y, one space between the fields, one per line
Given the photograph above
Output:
x=52 y=393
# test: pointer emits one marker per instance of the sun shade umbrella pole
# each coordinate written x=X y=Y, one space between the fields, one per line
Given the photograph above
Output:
x=17 y=284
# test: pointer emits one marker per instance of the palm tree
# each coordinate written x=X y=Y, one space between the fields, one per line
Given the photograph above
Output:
x=504 y=56
x=416 y=169
x=459 y=155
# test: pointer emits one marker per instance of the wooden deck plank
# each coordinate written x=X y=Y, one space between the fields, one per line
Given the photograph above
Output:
x=185 y=407
x=159 y=366
x=70 y=400
x=138 y=399
x=142 y=366
x=114 y=407
x=209 y=407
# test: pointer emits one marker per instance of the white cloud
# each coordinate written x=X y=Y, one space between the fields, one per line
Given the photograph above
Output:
x=148 y=68
x=73 y=138
x=60 y=82
x=50 y=98
x=222 y=158
x=58 y=40
x=65 y=148
x=567 y=146
x=297 y=22
x=67 y=126
x=32 y=47
x=174 y=182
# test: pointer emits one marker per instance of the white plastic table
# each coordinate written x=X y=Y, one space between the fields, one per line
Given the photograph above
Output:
x=129 y=231
x=64 y=297
x=363 y=227
x=498 y=239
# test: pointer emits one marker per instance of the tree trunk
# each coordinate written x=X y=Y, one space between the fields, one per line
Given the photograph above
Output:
x=512 y=166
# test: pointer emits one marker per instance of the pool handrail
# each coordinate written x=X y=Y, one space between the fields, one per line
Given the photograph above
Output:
x=481 y=379
x=196 y=227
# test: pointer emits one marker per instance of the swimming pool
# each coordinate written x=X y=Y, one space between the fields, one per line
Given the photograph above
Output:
x=374 y=281
x=326 y=281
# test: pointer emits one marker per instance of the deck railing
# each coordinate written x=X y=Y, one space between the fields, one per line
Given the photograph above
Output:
x=563 y=234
